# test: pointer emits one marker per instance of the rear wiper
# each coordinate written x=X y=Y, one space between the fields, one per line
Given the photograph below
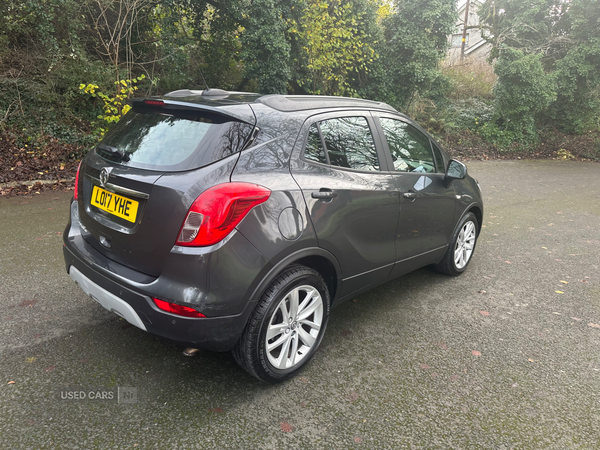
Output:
x=114 y=152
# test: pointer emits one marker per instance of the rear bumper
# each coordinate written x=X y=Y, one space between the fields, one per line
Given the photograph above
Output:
x=214 y=334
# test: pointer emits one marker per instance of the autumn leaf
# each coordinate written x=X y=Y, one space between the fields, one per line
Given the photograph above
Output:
x=216 y=410
x=352 y=396
x=593 y=325
x=475 y=353
x=559 y=292
x=564 y=282
x=286 y=427
x=484 y=313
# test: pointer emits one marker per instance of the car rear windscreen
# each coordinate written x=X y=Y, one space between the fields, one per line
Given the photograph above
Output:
x=169 y=142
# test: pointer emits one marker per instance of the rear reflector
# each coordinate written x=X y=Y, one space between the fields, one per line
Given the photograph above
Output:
x=217 y=211
x=174 y=308
x=76 y=191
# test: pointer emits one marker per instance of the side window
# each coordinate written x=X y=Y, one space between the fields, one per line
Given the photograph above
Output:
x=314 y=147
x=411 y=150
x=349 y=143
x=439 y=160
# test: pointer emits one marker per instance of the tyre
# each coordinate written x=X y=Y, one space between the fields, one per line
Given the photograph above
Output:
x=286 y=327
x=459 y=254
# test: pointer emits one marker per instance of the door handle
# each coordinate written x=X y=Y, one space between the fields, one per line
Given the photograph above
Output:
x=412 y=195
x=324 y=194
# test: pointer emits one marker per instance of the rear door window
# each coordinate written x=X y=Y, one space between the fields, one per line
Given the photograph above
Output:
x=168 y=142
x=348 y=143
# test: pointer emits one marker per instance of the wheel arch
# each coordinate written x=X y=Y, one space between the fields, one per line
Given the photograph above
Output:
x=315 y=258
x=475 y=209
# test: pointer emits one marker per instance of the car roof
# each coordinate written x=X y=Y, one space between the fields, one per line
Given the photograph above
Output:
x=283 y=103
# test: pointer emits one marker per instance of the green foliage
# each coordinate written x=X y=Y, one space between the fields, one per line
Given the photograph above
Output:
x=471 y=114
x=565 y=37
x=521 y=93
x=335 y=47
x=577 y=106
x=265 y=48
x=416 y=39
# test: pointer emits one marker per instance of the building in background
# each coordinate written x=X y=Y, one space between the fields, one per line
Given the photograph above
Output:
x=476 y=48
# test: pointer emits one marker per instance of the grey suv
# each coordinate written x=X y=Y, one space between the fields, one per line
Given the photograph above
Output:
x=230 y=221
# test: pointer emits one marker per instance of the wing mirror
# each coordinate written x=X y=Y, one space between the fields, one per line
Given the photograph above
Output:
x=456 y=171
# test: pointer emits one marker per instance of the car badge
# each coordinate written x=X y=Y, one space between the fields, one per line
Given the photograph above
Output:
x=104 y=174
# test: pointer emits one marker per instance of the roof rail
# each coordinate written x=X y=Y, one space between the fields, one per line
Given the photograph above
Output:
x=289 y=103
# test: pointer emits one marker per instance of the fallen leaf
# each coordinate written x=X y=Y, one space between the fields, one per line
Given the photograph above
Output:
x=11 y=382
x=358 y=440
x=352 y=396
x=50 y=369
x=475 y=353
x=559 y=292
x=507 y=262
x=484 y=313
x=216 y=410
x=545 y=248
x=286 y=427
x=593 y=325
x=482 y=292
x=530 y=360
x=576 y=318
x=564 y=282
x=30 y=359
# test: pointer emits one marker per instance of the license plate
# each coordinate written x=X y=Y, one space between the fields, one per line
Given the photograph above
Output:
x=115 y=204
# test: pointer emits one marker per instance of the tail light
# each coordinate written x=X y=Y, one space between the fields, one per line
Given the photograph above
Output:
x=217 y=211
x=76 y=191
x=174 y=308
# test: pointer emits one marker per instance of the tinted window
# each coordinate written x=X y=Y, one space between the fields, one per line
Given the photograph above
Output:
x=411 y=151
x=314 y=147
x=439 y=160
x=168 y=142
x=349 y=143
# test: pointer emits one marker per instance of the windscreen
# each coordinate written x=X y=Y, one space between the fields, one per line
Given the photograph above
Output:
x=170 y=142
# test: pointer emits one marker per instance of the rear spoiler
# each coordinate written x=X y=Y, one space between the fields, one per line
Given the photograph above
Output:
x=239 y=112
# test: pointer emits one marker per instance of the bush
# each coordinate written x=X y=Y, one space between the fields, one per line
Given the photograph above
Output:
x=521 y=93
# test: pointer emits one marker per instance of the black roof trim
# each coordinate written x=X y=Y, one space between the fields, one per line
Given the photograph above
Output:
x=290 y=103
